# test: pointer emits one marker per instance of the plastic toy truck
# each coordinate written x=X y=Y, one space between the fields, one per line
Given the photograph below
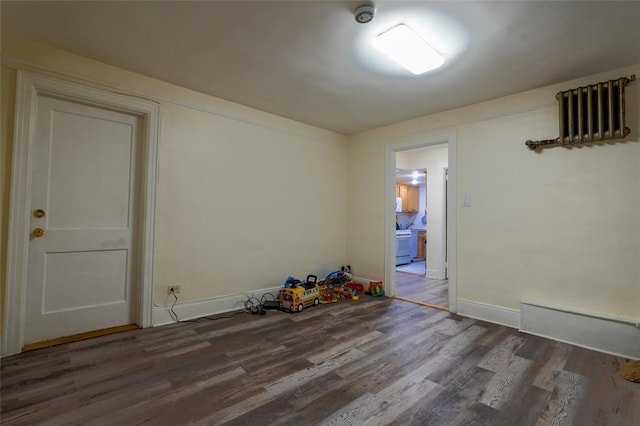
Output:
x=295 y=299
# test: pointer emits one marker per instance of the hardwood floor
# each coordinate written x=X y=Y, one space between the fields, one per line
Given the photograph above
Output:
x=376 y=361
x=416 y=268
x=422 y=289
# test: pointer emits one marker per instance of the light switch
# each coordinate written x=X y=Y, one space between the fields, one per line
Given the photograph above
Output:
x=466 y=201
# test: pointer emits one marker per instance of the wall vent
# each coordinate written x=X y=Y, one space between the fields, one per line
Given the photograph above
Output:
x=590 y=114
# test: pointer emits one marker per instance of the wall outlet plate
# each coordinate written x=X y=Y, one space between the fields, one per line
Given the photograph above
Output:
x=173 y=289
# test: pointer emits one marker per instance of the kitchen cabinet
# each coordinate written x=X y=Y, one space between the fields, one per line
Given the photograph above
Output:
x=422 y=245
x=414 y=198
x=410 y=197
x=404 y=194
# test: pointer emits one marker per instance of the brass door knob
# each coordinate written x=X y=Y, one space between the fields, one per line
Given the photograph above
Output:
x=38 y=232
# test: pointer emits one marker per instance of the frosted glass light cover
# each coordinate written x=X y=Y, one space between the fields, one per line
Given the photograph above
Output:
x=408 y=49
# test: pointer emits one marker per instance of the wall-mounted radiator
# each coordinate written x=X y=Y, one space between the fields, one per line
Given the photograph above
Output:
x=590 y=114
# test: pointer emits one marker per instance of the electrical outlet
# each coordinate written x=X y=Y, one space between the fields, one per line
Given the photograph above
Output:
x=173 y=289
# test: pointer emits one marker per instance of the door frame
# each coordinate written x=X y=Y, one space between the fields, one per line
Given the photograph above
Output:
x=445 y=206
x=28 y=88
x=389 y=229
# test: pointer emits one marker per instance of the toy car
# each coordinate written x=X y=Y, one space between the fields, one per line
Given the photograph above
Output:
x=298 y=297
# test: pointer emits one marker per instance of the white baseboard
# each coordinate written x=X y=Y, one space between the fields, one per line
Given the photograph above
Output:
x=362 y=280
x=433 y=274
x=491 y=313
x=604 y=333
x=201 y=308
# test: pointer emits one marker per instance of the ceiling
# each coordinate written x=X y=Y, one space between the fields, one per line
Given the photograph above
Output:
x=311 y=62
x=410 y=176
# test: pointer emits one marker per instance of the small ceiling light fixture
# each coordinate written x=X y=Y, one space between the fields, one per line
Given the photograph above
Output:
x=365 y=12
x=408 y=49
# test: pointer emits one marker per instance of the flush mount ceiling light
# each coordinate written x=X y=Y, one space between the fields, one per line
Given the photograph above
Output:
x=408 y=49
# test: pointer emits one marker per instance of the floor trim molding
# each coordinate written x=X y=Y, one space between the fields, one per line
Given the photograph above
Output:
x=213 y=306
x=491 y=313
x=362 y=280
x=600 y=332
x=79 y=337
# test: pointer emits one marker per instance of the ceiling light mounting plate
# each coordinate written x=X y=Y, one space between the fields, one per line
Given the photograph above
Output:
x=365 y=12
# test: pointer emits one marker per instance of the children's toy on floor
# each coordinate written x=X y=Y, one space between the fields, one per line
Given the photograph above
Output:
x=296 y=295
x=291 y=282
x=350 y=293
x=339 y=282
x=327 y=295
x=353 y=290
x=356 y=286
x=376 y=289
x=337 y=278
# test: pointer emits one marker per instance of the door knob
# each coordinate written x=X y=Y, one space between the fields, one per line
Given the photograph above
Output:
x=38 y=213
x=38 y=232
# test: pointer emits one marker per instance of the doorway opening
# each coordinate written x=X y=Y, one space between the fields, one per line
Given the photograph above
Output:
x=411 y=219
x=426 y=274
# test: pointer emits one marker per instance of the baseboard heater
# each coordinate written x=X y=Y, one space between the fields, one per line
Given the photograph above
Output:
x=593 y=113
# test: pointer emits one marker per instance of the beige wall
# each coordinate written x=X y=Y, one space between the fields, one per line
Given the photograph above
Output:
x=244 y=198
x=561 y=226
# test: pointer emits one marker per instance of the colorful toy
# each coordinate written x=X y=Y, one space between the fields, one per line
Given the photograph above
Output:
x=355 y=286
x=291 y=282
x=327 y=295
x=340 y=277
x=351 y=293
x=376 y=289
x=296 y=295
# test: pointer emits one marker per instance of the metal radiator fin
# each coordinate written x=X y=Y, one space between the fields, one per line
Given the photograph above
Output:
x=590 y=114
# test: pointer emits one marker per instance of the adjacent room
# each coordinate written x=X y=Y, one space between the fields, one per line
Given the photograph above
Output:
x=462 y=179
x=421 y=225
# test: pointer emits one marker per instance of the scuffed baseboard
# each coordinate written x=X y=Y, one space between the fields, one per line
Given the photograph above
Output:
x=213 y=306
x=604 y=333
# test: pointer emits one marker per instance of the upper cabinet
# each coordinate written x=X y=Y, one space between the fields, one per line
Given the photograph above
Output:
x=410 y=197
x=414 y=199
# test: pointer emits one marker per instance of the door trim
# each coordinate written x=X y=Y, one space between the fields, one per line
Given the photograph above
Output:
x=389 y=229
x=28 y=88
x=443 y=243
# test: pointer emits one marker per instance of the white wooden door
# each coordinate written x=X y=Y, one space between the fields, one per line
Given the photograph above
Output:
x=82 y=271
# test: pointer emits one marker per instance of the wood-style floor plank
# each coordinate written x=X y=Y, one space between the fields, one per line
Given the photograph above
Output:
x=375 y=361
x=422 y=289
